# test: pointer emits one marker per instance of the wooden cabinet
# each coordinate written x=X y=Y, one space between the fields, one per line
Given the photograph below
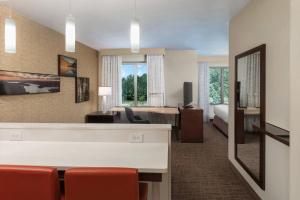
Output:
x=191 y=125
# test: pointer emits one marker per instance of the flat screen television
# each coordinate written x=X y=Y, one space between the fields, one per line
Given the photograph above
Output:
x=187 y=94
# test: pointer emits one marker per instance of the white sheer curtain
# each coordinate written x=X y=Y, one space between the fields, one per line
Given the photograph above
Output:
x=242 y=78
x=111 y=77
x=249 y=78
x=156 y=80
x=203 y=98
x=253 y=80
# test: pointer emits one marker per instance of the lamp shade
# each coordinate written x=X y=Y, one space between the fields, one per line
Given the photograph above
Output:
x=10 y=35
x=104 y=91
x=70 y=34
x=135 y=36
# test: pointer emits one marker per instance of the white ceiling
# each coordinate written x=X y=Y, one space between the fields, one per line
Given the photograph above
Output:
x=173 y=24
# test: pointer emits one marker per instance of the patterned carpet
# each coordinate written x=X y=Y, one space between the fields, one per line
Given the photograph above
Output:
x=203 y=171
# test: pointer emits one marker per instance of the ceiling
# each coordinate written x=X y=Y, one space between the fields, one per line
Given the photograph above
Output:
x=173 y=24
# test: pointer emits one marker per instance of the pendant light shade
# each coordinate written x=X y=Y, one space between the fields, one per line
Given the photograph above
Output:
x=10 y=35
x=70 y=34
x=135 y=36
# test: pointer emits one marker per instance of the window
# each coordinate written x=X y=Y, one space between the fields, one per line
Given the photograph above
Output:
x=219 y=85
x=134 y=84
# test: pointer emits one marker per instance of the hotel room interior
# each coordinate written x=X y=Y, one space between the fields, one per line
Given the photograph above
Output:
x=149 y=100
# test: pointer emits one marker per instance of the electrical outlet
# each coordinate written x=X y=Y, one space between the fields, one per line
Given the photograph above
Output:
x=16 y=136
x=136 y=138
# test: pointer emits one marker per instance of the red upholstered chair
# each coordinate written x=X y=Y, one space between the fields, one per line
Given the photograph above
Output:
x=103 y=183
x=28 y=183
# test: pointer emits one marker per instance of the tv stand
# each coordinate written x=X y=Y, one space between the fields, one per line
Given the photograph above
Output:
x=191 y=125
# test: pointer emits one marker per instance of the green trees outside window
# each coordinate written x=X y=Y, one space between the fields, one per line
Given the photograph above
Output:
x=218 y=85
x=134 y=84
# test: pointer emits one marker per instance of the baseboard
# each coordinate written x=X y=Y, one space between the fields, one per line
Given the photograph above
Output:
x=252 y=192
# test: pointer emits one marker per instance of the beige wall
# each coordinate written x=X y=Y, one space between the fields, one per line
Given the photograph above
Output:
x=37 y=50
x=124 y=51
x=180 y=66
x=295 y=99
x=215 y=60
x=266 y=21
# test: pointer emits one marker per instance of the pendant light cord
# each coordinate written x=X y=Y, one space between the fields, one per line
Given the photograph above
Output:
x=134 y=9
x=69 y=5
x=9 y=6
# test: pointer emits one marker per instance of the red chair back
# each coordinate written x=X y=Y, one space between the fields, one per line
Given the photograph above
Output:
x=101 y=183
x=28 y=183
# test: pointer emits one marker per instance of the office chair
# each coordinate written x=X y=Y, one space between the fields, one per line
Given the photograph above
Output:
x=135 y=119
x=104 y=183
x=28 y=182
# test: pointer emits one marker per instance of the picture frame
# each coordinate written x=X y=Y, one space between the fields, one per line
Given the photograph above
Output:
x=82 y=87
x=23 y=83
x=67 y=66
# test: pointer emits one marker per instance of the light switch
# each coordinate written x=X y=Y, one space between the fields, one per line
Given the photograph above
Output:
x=136 y=138
x=16 y=136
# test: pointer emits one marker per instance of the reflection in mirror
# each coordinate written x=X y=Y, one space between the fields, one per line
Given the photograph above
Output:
x=248 y=111
x=248 y=107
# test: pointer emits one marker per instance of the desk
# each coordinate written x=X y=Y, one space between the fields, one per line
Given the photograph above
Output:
x=166 y=115
x=159 y=110
x=148 y=158
x=250 y=111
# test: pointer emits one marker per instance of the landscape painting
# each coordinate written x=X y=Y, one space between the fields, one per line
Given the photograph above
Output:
x=82 y=87
x=67 y=66
x=20 y=83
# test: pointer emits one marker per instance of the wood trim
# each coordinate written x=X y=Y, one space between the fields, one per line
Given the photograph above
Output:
x=262 y=49
x=148 y=177
x=279 y=139
x=275 y=132
x=221 y=125
x=239 y=127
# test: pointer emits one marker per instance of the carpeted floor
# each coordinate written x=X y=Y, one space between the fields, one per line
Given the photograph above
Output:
x=249 y=153
x=203 y=171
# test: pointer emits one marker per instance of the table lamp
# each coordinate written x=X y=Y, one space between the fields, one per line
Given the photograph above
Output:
x=104 y=92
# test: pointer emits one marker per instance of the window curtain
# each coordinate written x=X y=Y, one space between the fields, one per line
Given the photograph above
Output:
x=111 y=77
x=156 y=80
x=249 y=77
x=242 y=78
x=253 y=80
x=203 y=98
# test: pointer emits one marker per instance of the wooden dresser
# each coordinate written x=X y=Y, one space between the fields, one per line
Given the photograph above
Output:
x=191 y=125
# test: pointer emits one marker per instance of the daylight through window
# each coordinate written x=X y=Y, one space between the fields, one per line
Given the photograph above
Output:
x=218 y=85
x=134 y=84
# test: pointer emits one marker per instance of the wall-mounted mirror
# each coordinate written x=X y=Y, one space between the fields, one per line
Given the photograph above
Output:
x=250 y=112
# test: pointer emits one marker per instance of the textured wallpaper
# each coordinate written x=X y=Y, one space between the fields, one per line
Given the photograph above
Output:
x=37 y=50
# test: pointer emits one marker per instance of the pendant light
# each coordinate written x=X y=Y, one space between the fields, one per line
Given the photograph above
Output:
x=10 y=34
x=70 y=40
x=135 y=33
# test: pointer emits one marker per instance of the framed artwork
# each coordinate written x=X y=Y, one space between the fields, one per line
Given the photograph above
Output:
x=21 y=83
x=67 y=66
x=82 y=89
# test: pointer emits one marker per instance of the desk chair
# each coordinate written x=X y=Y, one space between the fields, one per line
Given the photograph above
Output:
x=104 y=183
x=26 y=182
x=135 y=119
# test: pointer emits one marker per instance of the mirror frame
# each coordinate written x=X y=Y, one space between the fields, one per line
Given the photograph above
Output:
x=262 y=49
